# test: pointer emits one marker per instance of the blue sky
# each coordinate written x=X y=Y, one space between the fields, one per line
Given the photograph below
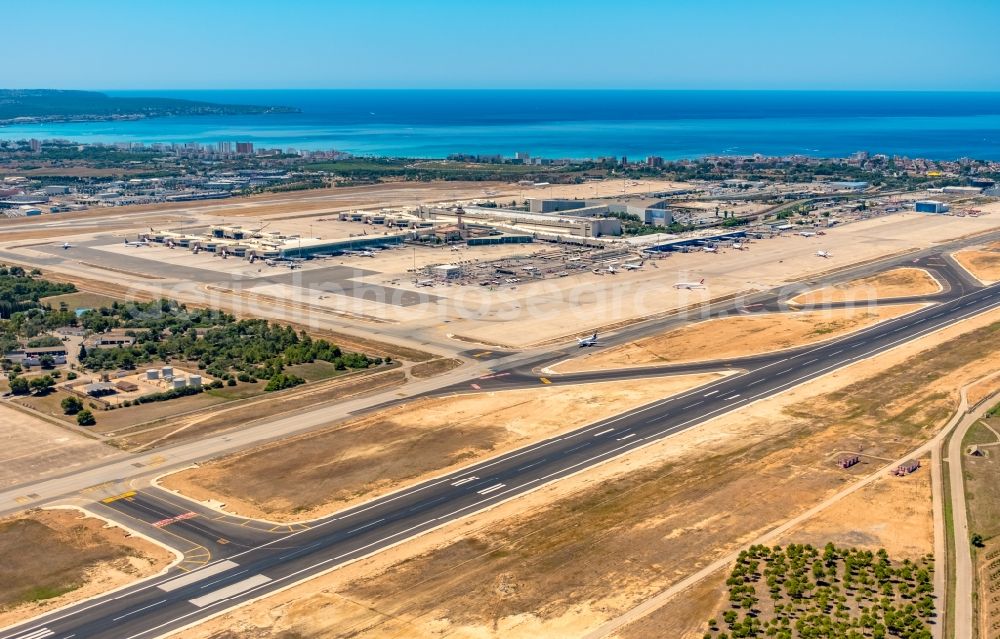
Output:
x=665 y=44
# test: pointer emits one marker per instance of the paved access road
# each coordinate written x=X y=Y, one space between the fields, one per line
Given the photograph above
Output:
x=249 y=565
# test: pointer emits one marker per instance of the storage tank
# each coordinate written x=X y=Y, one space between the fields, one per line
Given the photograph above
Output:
x=194 y=381
x=152 y=374
x=167 y=372
x=178 y=382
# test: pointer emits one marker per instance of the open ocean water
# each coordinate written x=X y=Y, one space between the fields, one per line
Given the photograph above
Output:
x=576 y=124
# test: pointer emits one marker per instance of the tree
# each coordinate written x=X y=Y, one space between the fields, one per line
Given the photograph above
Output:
x=977 y=540
x=47 y=361
x=71 y=405
x=41 y=385
x=19 y=386
x=85 y=418
x=83 y=353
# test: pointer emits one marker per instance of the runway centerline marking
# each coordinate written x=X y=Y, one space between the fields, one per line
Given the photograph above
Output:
x=129 y=614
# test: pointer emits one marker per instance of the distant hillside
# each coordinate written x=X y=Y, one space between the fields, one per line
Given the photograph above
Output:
x=49 y=105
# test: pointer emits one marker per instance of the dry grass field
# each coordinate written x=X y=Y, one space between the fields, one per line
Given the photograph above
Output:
x=984 y=264
x=318 y=473
x=899 y=282
x=577 y=553
x=736 y=336
x=54 y=557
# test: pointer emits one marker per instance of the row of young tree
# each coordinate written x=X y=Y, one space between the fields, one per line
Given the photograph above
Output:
x=836 y=593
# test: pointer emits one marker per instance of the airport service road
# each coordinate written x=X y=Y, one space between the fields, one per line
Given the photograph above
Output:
x=240 y=574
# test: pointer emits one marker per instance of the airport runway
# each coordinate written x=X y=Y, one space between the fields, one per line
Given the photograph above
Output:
x=258 y=564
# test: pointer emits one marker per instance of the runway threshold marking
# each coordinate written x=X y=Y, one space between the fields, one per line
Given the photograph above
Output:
x=603 y=432
x=464 y=481
x=544 y=380
x=41 y=633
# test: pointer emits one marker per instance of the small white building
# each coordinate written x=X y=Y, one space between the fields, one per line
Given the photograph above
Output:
x=447 y=272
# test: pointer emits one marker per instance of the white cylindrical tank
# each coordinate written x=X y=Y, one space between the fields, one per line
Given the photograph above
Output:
x=152 y=374
x=167 y=372
x=194 y=381
x=178 y=382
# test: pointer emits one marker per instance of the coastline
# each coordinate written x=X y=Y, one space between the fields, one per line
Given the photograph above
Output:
x=672 y=125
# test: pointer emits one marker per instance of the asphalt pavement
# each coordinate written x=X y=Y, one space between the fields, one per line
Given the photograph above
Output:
x=264 y=561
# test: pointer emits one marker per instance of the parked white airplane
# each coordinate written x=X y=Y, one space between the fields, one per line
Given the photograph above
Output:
x=632 y=266
x=67 y=245
x=587 y=341
x=823 y=254
x=360 y=253
x=807 y=234
x=710 y=249
x=427 y=283
x=690 y=285
x=612 y=269
x=137 y=243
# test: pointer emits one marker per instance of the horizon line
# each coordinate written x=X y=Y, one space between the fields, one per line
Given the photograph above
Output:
x=533 y=89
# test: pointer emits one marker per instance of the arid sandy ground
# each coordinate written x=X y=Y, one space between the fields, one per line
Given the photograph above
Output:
x=321 y=472
x=984 y=264
x=900 y=282
x=736 y=336
x=32 y=448
x=983 y=389
x=578 y=552
x=892 y=513
x=66 y=557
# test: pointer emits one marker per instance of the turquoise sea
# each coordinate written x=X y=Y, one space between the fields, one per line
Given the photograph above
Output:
x=577 y=124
